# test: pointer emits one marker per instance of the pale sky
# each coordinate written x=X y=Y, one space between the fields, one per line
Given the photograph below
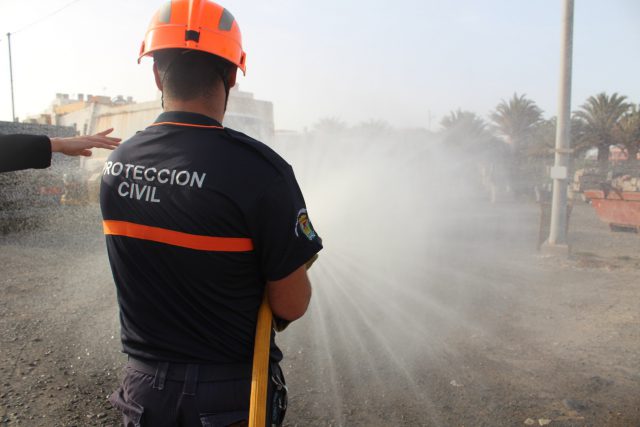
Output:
x=356 y=60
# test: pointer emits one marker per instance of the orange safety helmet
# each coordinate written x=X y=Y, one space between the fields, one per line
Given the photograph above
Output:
x=195 y=24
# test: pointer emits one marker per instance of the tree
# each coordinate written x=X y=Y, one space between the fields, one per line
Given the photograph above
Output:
x=330 y=126
x=467 y=119
x=629 y=133
x=468 y=138
x=600 y=116
x=515 y=120
x=579 y=143
x=373 y=129
x=543 y=140
x=465 y=130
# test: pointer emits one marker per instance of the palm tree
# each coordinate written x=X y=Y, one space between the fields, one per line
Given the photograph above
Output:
x=629 y=133
x=466 y=118
x=476 y=151
x=330 y=126
x=600 y=117
x=465 y=130
x=515 y=120
x=372 y=129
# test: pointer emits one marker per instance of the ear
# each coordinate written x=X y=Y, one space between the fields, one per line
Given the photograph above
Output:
x=231 y=78
x=156 y=74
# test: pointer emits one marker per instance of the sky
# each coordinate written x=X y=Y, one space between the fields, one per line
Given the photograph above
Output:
x=409 y=62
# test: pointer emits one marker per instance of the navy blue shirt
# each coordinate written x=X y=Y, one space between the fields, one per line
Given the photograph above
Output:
x=197 y=219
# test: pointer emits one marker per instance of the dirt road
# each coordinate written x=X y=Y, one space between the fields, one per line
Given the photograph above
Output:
x=483 y=331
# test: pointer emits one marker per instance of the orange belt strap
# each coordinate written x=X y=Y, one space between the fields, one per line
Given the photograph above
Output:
x=177 y=238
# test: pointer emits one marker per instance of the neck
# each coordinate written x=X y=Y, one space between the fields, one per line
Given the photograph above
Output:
x=208 y=107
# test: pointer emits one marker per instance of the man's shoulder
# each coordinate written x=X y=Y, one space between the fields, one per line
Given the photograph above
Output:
x=261 y=149
x=129 y=143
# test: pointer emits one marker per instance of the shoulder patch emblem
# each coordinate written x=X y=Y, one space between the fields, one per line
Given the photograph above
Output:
x=303 y=225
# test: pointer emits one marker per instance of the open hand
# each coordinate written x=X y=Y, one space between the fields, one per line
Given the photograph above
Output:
x=82 y=145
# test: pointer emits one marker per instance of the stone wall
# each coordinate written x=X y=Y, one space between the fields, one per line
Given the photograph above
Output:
x=7 y=128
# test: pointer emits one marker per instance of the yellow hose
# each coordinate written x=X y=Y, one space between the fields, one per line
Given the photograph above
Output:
x=261 y=350
x=260 y=374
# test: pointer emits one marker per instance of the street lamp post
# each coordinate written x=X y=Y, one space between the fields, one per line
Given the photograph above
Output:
x=13 y=108
x=559 y=172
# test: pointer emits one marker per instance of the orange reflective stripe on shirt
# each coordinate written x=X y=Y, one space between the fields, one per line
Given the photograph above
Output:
x=186 y=124
x=177 y=238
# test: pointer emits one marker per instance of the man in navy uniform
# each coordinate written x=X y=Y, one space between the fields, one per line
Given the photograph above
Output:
x=200 y=222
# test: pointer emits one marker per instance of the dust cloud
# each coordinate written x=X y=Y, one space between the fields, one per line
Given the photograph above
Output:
x=431 y=303
x=413 y=256
x=430 y=306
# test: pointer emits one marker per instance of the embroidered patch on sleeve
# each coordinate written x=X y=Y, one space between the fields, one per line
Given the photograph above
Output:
x=303 y=225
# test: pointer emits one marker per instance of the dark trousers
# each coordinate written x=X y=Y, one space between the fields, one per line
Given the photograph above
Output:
x=161 y=394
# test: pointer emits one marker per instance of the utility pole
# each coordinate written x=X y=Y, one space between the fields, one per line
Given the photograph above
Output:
x=558 y=227
x=13 y=108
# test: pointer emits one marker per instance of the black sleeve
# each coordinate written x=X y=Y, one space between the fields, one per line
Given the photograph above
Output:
x=24 y=152
x=282 y=232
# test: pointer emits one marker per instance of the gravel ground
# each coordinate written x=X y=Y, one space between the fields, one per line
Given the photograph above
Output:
x=475 y=328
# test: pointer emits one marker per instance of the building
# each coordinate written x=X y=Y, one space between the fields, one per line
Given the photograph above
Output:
x=92 y=114
x=249 y=115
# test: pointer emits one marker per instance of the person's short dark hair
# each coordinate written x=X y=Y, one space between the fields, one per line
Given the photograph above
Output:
x=189 y=74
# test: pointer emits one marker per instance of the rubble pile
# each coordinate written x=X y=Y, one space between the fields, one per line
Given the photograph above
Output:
x=585 y=179
x=590 y=178
x=626 y=183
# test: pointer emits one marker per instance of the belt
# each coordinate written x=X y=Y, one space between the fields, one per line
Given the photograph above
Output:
x=178 y=371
